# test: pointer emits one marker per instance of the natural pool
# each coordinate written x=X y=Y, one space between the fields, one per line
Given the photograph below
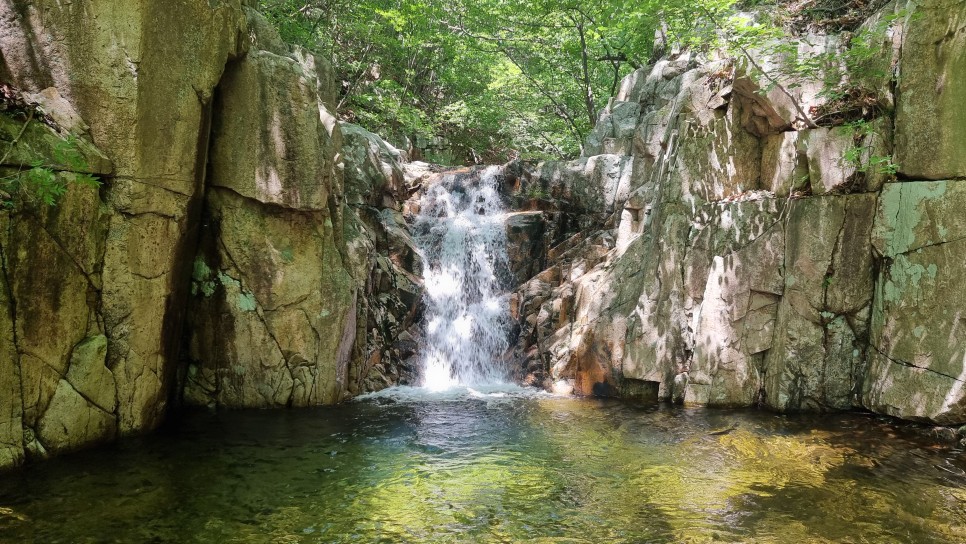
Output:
x=494 y=468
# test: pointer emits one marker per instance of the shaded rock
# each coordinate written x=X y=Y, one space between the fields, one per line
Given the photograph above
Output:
x=89 y=376
x=930 y=119
x=614 y=129
x=772 y=108
x=373 y=174
x=717 y=158
x=143 y=76
x=11 y=402
x=273 y=305
x=53 y=259
x=784 y=163
x=817 y=358
x=828 y=169
x=71 y=421
x=274 y=142
x=274 y=313
x=525 y=237
x=40 y=144
x=595 y=184
x=735 y=323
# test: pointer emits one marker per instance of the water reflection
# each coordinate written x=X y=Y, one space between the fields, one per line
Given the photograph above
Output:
x=498 y=469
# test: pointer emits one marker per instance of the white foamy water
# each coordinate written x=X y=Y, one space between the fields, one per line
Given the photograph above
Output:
x=493 y=393
x=461 y=234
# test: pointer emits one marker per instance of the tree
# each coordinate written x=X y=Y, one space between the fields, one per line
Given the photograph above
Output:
x=497 y=77
x=504 y=78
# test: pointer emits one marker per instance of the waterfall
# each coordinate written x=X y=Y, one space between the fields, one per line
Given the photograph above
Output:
x=460 y=232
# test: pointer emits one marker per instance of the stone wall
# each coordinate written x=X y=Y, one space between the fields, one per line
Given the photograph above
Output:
x=220 y=256
x=102 y=275
x=743 y=261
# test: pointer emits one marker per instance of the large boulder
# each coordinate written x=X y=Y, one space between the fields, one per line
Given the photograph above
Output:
x=595 y=185
x=82 y=409
x=374 y=174
x=273 y=140
x=816 y=361
x=717 y=157
x=525 y=237
x=11 y=401
x=930 y=118
x=273 y=314
x=614 y=130
x=735 y=323
x=142 y=76
x=917 y=358
x=53 y=259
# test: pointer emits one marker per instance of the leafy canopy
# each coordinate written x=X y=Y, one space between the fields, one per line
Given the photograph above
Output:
x=495 y=78
x=498 y=79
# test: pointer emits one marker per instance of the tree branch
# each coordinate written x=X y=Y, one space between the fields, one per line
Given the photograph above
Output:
x=802 y=115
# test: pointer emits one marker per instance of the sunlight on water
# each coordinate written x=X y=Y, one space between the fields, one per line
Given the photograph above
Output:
x=461 y=234
x=498 y=464
x=457 y=392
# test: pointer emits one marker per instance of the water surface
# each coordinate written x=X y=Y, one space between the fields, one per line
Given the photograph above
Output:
x=498 y=468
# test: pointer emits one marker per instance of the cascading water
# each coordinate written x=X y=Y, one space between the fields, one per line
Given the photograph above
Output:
x=460 y=232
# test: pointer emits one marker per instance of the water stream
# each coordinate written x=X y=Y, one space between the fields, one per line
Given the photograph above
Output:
x=461 y=234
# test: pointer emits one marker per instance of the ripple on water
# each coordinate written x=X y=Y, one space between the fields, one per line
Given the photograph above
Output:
x=498 y=465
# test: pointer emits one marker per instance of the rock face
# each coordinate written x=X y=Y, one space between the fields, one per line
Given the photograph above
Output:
x=733 y=257
x=272 y=316
x=384 y=259
x=58 y=390
x=221 y=234
x=141 y=77
x=917 y=352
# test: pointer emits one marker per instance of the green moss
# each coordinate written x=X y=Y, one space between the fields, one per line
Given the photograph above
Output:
x=905 y=278
x=201 y=280
x=901 y=213
x=246 y=302
x=228 y=281
x=200 y=271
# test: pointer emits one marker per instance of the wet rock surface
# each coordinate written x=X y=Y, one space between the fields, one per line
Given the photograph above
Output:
x=743 y=259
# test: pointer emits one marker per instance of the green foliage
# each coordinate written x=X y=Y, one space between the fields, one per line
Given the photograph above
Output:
x=535 y=192
x=862 y=155
x=202 y=280
x=497 y=79
x=46 y=179
x=501 y=79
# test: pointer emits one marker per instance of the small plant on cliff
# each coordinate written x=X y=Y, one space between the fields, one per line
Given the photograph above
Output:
x=535 y=192
x=41 y=182
x=856 y=76
x=853 y=74
x=45 y=179
x=862 y=155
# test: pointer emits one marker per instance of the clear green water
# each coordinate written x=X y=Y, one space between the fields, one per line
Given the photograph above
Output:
x=498 y=470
